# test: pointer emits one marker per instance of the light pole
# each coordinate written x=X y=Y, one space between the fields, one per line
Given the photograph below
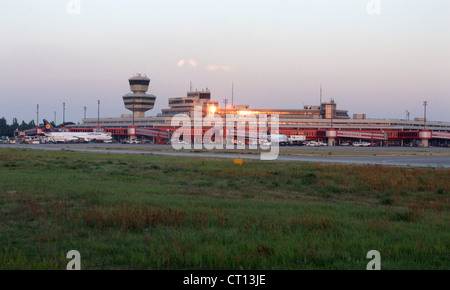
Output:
x=425 y=103
x=85 y=112
x=64 y=113
x=37 y=115
x=225 y=101
x=98 y=113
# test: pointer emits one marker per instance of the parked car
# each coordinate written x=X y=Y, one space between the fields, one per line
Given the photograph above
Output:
x=361 y=144
x=133 y=141
x=312 y=144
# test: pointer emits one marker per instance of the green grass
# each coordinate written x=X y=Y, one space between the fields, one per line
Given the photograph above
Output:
x=151 y=212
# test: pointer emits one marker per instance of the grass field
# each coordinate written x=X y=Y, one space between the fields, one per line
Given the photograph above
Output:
x=152 y=212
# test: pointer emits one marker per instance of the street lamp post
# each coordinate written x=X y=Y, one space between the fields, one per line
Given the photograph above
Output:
x=425 y=103
x=98 y=113
x=225 y=101
x=37 y=115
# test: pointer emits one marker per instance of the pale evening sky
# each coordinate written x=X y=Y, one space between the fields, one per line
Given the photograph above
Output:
x=277 y=52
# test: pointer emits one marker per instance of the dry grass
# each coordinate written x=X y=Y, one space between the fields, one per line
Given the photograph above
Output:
x=152 y=212
x=131 y=217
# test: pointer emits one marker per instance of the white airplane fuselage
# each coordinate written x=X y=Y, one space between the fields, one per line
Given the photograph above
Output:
x=278 y=138
x=75 y=136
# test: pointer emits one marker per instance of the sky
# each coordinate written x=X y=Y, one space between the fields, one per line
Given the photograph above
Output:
x=378 y=57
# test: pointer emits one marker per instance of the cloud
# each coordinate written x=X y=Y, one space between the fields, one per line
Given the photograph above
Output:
x=218 y=67
x=192 y=62
x=181 y=62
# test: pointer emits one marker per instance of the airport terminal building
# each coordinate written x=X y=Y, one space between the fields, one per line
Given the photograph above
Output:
x=323 y=122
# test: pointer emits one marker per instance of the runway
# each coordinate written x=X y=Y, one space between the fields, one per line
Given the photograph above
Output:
x=442 y=160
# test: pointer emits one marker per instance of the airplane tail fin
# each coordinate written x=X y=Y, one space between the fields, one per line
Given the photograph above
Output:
x=48 y=127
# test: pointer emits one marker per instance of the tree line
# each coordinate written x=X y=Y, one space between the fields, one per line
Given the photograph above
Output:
x=8 y=130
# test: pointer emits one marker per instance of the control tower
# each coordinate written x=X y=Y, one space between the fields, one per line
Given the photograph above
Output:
x=139 y=102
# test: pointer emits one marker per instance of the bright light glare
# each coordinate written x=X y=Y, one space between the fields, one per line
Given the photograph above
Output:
x=246 y=112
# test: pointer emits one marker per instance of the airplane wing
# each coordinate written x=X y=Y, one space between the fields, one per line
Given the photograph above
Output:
x=80 y=138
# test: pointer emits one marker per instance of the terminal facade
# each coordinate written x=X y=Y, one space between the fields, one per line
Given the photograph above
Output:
x=324 y=122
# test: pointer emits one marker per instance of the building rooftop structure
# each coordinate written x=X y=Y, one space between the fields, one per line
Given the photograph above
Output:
x=185 y=105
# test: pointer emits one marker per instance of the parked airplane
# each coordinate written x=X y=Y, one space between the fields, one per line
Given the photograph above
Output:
x=278 y=138
x=57 y=136
x=265 y=140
